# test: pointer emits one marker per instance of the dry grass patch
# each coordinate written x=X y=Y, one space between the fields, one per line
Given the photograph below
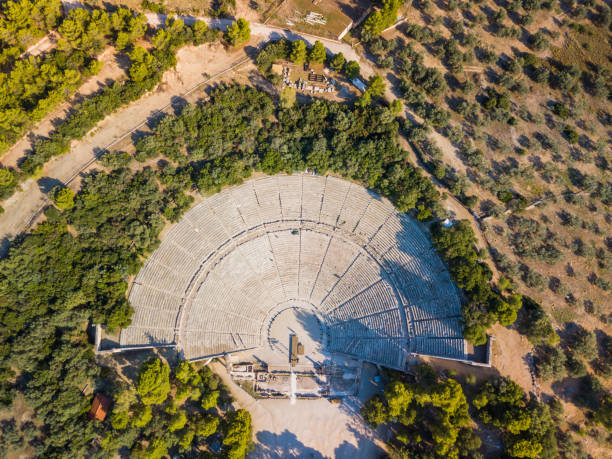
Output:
x=583 y=48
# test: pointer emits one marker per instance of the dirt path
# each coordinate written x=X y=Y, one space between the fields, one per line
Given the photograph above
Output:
x=45 y=44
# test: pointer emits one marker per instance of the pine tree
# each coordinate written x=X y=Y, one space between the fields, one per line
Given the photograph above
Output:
x=317 y=53
x=298 y=52
x=337 y=62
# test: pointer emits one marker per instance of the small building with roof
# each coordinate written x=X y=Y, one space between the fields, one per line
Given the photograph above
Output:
x=100 y=407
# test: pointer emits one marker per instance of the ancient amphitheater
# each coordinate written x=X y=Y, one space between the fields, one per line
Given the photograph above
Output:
x=316 y=244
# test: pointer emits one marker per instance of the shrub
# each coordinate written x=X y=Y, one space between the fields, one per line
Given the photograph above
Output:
x=536 y=324
x=584 y=344
x=561 y=110
x=570 y=134
x=550 y=363
x=115 y=159
x=538 y=41
x=576 y=367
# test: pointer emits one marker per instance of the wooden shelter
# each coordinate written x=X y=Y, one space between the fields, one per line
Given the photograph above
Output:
x=100 y=407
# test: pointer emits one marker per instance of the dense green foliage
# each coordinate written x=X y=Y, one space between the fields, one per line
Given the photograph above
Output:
x=8 y=182
x=223 y=140
x=22 y=23
x=375 y=88
x=526 y=425
x=237 y=429
x=153 y=383
x=173 y=421
x=337 y=62
x=32 y=87
x=429 y=417
x=54 y=282
x=299 y=52
x=145 y=71
x=317 y=53
x=484 y=306
x=72 y=268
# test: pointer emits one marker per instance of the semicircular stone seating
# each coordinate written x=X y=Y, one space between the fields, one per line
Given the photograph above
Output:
x=370 y=272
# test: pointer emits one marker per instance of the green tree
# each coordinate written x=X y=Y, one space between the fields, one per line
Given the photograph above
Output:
x=8 y=182
x=428 y=408
x=381 y=18
x=536 y=324
x=187 y=373
x=550 y=363
x=63 y=198
x=186 y=439
x=376 y=86
x=375 y=412
x=153 y=381
x=584 y=344
x=157 y=449
x=352 y=70
x=527 y=425
x=287 y=97
x=603 y=415
x=298 y=52
x=396 y=107
x=142 y=416
x=209 y=399
x=525 y=448
x=207 y=425
x=365 y=100
x=337 y=62
x=177 y=421
x=317 y=53
x=272 y=162
x=7 y=178
x=238 y=433
x=238 y=32
x=119 y=419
